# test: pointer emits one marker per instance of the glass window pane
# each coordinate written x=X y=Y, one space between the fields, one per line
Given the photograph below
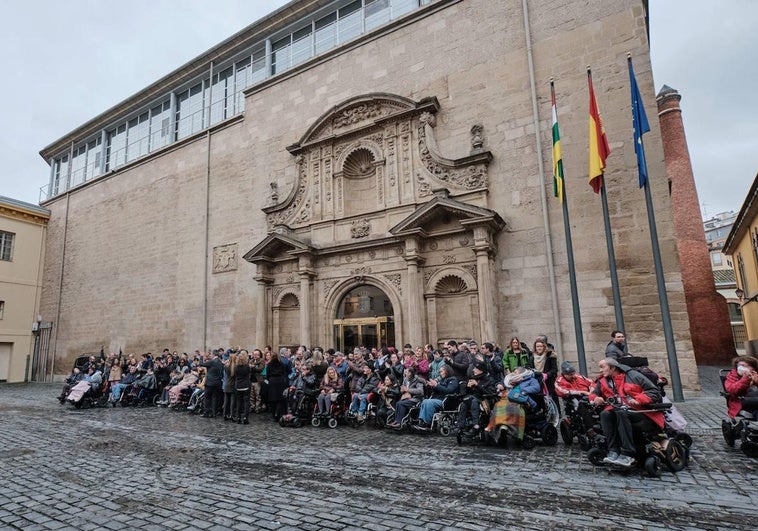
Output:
x=377 y=13
x=401 y=7
x=326 y=33
x=222 y=95
x=349 y=26
x=78 y=163
x=302 y=47
x=280 y=56
x=117 y=147
x=160 y=120
x=138 y=137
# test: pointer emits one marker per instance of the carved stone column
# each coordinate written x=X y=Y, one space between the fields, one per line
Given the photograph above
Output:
x=305 y=272
x=261 y=317
x=415 y=324
x=483 y=248
x=431 y=319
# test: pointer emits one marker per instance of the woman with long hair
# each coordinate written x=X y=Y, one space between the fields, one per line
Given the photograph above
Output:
x=230 y=365
x=241 y=388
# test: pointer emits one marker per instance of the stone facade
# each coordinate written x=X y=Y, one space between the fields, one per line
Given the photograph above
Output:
x=406 y=161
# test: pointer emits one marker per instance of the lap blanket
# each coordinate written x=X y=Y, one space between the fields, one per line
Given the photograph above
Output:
x=510 y=414
x=77 y=392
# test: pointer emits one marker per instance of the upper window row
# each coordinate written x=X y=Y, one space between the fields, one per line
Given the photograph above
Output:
x=219 y=95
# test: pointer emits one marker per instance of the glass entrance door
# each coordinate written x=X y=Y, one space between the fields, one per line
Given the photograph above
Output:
x=375 y=332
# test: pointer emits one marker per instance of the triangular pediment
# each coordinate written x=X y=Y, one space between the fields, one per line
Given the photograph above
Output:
x=275 y=246
x=442 y=211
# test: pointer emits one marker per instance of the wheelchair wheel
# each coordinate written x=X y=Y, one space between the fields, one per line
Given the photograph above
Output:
x=156 y=399
x=282 y=422
x=596 y=456
x=298 y=422
x=332 y=422
x=584 y=442
x=653 y=466
x=685 y=439
x=315 y=422
x=549 y=435
x=676 y=455
x=727 y=429
x=566 y=434
x=528 y=442
x=445 y=430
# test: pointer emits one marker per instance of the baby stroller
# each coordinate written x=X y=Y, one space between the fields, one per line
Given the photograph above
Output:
x=743 y=427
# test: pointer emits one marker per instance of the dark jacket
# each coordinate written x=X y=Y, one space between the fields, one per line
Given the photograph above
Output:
x=485 y=385
x=214 y=372
x=444 y=387
x=241 y=377
x=614 y=351
x=276 y=374
x=366 y=384
x=630 y=385
x=461 y=362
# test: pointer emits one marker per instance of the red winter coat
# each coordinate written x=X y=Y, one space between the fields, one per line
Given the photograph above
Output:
x=631 y=385
x=735 y=386
x=580 y=383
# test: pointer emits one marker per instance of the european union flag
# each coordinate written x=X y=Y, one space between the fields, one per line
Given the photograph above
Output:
x=639 y=124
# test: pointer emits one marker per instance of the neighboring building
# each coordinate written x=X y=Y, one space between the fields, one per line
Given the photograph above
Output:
x=23 y=228
x=384 y=173
x=742 y=246
x=710 y=328
x=716 y=230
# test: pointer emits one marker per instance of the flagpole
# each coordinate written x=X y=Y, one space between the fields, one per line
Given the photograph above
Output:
x=668 y=331
x=574 y=292
x=612 y=261
x=561 y=193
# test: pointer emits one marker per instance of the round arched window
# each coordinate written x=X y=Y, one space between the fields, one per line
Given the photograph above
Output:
x=364 y=301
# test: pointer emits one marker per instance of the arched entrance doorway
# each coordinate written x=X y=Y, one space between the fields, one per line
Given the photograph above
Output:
x=364 y=319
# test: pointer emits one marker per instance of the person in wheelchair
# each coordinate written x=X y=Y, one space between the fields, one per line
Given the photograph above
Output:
x=446 y=385
x=624 y=390
x=389 y=394
x=412 y=391
x=365 y=385
x=476 y=388
x=742 y=382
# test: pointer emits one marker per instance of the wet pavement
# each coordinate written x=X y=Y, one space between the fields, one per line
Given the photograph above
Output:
x=151 y=468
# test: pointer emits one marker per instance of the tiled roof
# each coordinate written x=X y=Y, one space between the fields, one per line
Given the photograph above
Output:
x=724 y=276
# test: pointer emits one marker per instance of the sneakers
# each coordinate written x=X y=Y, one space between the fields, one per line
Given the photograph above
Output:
x=423 y=425
x=611 y=458
x=624 y=460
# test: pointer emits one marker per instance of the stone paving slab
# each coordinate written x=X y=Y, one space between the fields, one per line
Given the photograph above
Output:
x=152 y=468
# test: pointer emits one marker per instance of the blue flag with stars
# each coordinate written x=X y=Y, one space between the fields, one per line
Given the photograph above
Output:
x=640 y=125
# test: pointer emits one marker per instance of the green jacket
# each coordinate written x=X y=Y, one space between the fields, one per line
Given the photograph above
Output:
x=511 y=360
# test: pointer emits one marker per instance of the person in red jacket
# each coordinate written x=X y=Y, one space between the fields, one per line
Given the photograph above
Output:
x=741 y=381
x=569 y=383
x=630 y=388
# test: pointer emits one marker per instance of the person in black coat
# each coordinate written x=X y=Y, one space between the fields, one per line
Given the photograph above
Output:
x=242 y=388
x=276 y=374
x=214 y=373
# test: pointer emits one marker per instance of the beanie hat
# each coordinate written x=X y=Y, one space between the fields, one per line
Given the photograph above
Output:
x=567 y=368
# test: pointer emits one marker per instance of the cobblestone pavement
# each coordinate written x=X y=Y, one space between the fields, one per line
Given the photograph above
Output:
x=151 y=468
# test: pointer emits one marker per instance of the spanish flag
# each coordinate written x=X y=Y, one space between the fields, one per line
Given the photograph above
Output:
x=599 y=149
x=557 y=156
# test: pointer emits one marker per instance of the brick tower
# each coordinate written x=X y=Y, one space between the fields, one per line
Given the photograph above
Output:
x=710 y=328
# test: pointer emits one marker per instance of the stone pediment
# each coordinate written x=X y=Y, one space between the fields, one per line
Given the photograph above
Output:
x=359 y=113
x=276 y=246
x=425 y=219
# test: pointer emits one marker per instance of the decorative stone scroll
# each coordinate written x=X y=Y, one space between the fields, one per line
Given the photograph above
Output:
x=394 y=279
x=225 y=258
x=360 y=228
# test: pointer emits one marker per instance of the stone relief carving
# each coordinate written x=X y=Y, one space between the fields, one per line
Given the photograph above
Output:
x=394 y=279
x=328 y=286
x=477 y=138
x=464 y=242
x=429 y=272
x=471 y=268
x=354 y=115
x=225 y=258
x=348 y=258
x=360 y=228
x=372 y=254
x=433 y=246
x=273 y=193
x=361 y=271
x=469 y=177
x=281 y=216
x=448 y=259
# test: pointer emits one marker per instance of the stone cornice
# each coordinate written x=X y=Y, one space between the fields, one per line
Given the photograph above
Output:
x=24 y=215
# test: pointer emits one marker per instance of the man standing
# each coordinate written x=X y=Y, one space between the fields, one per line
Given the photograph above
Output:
x=617 y=346
x=213 y=388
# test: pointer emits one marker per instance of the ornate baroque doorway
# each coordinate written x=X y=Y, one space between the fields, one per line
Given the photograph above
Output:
x=364 y=318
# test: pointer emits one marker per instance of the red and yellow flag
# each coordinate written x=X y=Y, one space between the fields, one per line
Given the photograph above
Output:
x=599 y=148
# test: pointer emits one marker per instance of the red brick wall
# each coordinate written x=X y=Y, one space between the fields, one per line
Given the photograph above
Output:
x=707 y=310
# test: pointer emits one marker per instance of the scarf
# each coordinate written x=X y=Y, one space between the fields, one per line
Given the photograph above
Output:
x=539 y=362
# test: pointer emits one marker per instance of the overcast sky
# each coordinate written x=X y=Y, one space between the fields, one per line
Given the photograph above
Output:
x=67 y=61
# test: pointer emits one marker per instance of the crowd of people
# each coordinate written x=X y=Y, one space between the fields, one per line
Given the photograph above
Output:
x=235 y=382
